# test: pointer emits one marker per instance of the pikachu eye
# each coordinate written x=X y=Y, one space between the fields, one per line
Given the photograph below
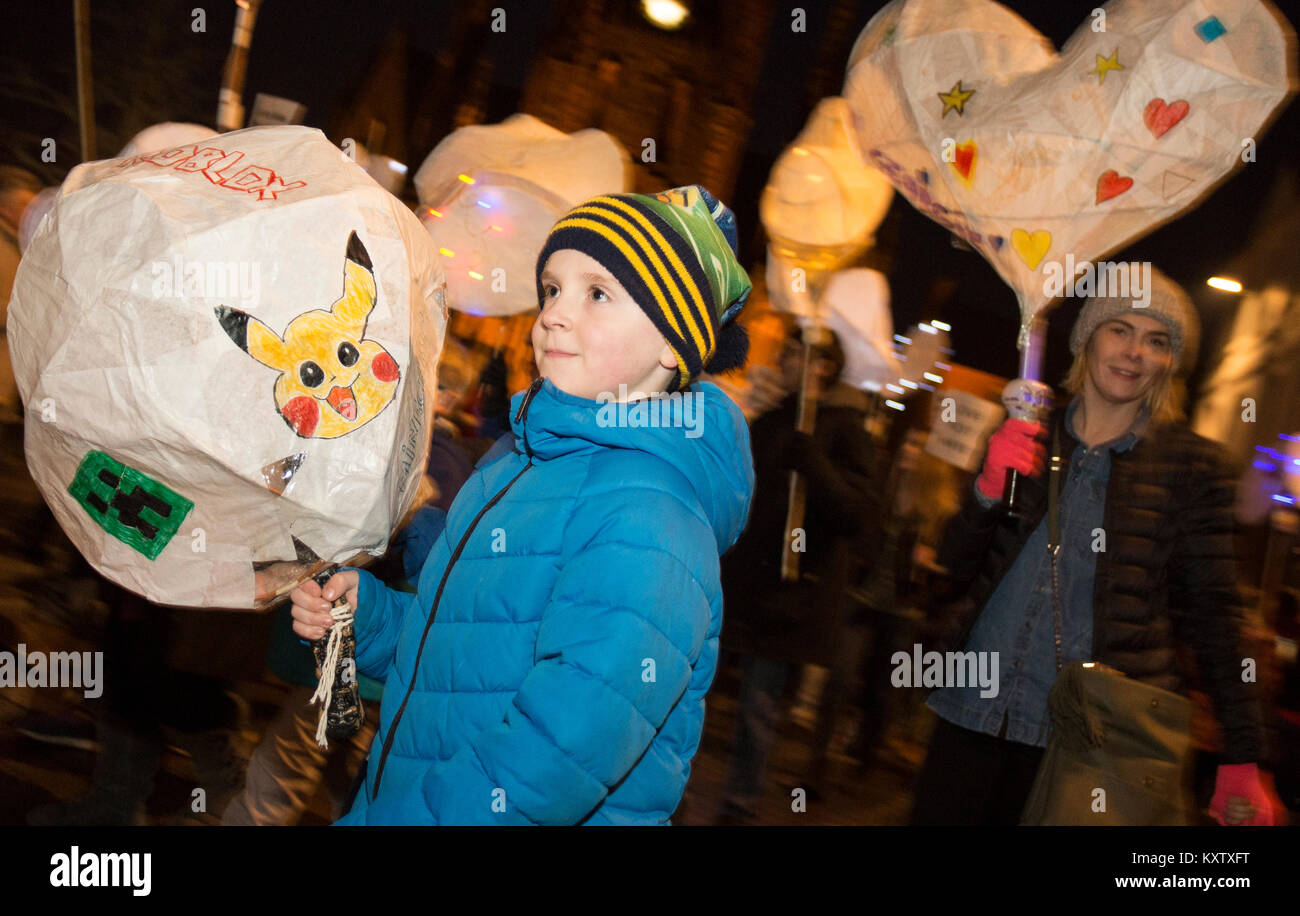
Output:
x=348 y=354
x=311 y=374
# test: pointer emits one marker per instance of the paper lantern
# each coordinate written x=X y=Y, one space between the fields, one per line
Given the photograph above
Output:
x=787 y=287
x=855 y=305
x=167 y=135
x=33 y=213
x=1042 y=161
x=227 y=353
x=822 y=201
x=489 y=194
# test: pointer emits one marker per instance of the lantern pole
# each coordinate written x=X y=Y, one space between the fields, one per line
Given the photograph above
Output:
x=230 y=107
x=85 y=79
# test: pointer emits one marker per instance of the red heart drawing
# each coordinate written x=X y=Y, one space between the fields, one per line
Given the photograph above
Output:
x=1111 y=185
x=965 y=158
x=1159 y=117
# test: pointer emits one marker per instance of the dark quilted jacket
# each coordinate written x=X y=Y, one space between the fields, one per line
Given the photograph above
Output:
x=1166 y=581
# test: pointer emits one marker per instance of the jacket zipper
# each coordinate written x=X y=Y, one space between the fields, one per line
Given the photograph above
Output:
x=437 y=598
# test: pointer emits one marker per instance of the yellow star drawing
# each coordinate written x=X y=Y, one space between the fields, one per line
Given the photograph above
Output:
x=1106 y=64
x=955 y=98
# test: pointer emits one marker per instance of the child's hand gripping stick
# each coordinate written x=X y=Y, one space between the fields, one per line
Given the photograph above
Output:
x=336 y=668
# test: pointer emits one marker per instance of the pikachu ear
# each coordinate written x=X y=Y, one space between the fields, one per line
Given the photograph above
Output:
x=253 y=337
x=358 y=286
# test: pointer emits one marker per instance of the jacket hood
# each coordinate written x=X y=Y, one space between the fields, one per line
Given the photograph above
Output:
x=699 y=431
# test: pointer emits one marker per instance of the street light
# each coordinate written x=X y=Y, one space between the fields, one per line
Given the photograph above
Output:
x=1223 y=283
x=666 y=14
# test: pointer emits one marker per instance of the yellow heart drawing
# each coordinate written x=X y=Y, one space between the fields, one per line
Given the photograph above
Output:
x=1031 y=247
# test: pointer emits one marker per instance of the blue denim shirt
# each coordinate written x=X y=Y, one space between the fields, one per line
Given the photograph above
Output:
x=1017 y=620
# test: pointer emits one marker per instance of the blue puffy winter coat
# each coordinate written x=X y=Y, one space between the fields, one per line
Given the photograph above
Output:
x=553 y=666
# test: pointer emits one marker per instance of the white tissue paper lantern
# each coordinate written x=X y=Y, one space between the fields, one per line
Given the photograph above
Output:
x=787 y=287
x=33 y=213
x=823 y=202
x=1043 y=161
x=227 y=353
x=489 y=194
x=855 y=305
x=166 y=135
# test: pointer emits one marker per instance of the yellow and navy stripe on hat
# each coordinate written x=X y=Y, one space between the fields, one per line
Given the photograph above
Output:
x=659 y=264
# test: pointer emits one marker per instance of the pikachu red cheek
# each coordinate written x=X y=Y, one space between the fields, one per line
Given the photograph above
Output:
x=384 y=368
x=302 y=414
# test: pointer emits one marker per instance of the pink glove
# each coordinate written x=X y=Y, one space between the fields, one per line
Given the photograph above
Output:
x=1239 y=795
x=1014 y=445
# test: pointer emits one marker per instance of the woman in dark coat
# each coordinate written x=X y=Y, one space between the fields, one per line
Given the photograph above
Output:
x=1162 y=578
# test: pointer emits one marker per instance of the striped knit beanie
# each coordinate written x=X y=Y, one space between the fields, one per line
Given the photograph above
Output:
x=675 y=254
x=1169 y=304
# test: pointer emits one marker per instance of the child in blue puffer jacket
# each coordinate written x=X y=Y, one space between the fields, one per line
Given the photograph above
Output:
x=553 y=665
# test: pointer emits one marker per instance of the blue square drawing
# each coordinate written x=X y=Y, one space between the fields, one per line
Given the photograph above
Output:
x=1210 y=29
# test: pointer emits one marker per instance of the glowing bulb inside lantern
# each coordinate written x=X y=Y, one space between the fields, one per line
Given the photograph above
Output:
x=1223 y=283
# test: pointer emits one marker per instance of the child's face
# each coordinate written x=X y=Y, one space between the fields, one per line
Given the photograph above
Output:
x=591 y=336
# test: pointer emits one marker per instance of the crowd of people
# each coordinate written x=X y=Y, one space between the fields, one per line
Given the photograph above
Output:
x=627 y=546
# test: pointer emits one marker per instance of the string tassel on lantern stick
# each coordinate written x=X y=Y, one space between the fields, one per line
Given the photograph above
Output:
x=338 y=690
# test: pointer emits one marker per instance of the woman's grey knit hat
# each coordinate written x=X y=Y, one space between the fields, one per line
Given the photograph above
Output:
x=1168 y=304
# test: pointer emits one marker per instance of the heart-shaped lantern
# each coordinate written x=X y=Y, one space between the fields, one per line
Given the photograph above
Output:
x=1030 y=156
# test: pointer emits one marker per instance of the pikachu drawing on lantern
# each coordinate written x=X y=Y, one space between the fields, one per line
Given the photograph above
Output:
x=332 y=378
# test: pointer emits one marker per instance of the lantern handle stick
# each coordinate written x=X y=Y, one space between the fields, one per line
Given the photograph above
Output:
x=1027 y=397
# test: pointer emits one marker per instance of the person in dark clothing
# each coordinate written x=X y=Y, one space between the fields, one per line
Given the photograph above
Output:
x=148 y=701
x=450 y=462
x=774 y=627
x=1166 y=579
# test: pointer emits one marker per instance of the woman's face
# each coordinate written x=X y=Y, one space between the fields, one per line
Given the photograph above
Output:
x=1126 y=356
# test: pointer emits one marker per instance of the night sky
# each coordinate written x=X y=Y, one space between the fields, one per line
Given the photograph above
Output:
x=317 y=53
